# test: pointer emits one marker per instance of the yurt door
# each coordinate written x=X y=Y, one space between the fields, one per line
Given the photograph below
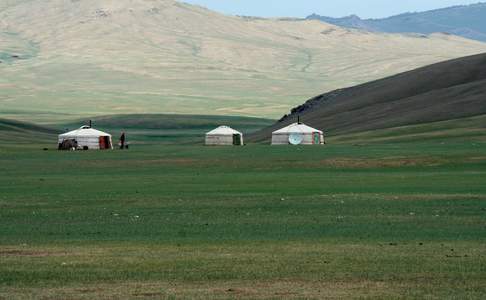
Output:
x=236 y=139
x=103 y=143
x=108 y=142
x=316 y=138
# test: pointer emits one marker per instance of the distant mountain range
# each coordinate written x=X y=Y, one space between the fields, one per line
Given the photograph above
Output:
x=445 y=91
x=468 y=21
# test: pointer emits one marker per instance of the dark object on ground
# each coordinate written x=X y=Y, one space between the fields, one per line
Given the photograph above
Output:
x=444 y=91
x=70 y=144
x=45 y=149
x=85 y=148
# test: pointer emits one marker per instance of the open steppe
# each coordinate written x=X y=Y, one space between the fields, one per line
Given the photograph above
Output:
x=362 y=219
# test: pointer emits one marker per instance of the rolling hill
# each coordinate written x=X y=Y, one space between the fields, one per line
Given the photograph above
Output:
x=15 y=132
x=468 y=21
x=62 y=60
x=447 y=91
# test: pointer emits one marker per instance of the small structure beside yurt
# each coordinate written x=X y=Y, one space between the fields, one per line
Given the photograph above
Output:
x=224 y=135
x=298 y=134
x=85 y=138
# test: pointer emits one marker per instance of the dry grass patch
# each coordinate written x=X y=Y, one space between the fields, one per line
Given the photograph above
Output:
x=386 y=162
x=12 y=253
x=285 y=289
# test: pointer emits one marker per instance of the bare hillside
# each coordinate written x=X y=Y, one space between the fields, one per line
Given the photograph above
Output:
x=83 y=57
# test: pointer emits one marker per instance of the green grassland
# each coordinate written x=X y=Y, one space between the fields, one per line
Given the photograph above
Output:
x=463 y=129
x=365 y=220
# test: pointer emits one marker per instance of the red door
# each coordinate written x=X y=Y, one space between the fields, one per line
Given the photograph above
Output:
x=102 y=142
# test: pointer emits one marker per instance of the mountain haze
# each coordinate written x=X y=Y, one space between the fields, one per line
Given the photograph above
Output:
x=62 y=59
x=468 y=21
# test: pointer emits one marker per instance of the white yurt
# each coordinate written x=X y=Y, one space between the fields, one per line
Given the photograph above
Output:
x=297 y=134
x=86 y=138
x=224 y=135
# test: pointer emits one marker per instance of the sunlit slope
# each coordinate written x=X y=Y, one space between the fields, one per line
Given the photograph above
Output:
x=62 y=59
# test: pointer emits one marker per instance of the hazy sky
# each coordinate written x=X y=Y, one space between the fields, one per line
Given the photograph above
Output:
x=333 y=8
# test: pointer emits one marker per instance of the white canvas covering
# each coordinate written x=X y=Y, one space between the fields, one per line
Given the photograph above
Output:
x=224 y=135
x=86 y=137
x=310 y=136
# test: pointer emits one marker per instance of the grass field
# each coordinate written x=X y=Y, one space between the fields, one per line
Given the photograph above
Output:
x=463 y=130
x=401 y=220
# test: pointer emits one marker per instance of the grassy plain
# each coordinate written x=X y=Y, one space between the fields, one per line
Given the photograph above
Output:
x=401 y=220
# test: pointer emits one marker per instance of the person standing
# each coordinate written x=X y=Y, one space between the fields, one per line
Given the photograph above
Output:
x=122 y=140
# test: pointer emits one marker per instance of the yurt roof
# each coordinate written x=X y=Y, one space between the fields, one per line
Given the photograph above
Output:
x=85 y=131
x=297 y=128
x=223 y=130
